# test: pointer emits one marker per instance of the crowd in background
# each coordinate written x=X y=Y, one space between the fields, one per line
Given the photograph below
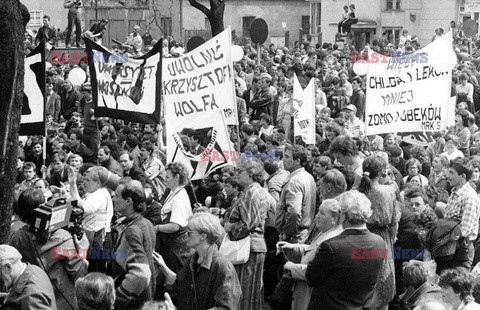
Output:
x=416 y=207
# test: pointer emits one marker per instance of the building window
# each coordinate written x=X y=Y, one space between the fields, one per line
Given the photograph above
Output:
x=36 y=18
x=393 y=5
x=316 y=17
x=166 y=24
x=393 y=35
x=246 y=23
x=305 y=25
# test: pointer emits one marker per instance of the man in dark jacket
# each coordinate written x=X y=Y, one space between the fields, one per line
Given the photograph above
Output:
x=134 y=274
x=46 y=32
x=77 y=146
x=105 y=159
x=262 y=102
x=358 y=98
x=70 y=99
x=250 y=93
x=36 y=157
x=129 y=170
x=344 y=272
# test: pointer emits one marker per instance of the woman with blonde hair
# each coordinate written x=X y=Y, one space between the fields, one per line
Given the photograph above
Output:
x=207 y=280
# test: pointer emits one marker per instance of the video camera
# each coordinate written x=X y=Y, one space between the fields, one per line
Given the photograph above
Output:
x=55 y=214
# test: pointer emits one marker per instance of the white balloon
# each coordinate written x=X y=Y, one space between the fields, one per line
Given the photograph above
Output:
x=360 y=68
x=237 y=53
x=77 y=76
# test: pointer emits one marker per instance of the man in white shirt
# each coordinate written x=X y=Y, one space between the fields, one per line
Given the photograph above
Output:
x=352 y=123
x=135 y=40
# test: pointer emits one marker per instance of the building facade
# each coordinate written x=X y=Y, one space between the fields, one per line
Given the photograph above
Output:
x=161 y=16
x=419 y=17
x=282 y=16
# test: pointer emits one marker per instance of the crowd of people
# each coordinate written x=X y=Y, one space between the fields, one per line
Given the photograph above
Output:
x=352 y=222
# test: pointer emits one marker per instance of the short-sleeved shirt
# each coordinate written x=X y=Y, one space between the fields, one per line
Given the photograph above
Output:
x=98 y=208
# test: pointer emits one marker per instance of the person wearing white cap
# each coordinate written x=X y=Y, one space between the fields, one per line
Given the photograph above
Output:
x=352 y=123
x=134 y=40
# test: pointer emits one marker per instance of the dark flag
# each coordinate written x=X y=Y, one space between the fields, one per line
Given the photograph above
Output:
x=125 y=87
x=33 y=108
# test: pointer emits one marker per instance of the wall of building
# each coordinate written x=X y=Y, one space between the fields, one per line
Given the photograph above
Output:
x=435 y=14
x=274 y=12
x=122 y=18
x=52 y=8
x=429 y=15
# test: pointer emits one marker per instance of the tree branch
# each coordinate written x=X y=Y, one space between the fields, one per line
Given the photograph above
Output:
x=200 y=7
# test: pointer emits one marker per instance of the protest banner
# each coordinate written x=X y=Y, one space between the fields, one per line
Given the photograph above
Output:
x=303 y=111
x=126 y=88
x=200 y=81
x=214 y=154
x=425 y=138
x=410 y=92
x=32 y=121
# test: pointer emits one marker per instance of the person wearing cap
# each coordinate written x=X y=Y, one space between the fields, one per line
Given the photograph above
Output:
x=134 y=40
x=342 y=262
x=97 y=30
x=355 y=126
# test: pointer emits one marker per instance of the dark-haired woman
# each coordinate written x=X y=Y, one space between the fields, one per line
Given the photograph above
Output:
x=462 y=131
x=171 y=233
x=383 y=222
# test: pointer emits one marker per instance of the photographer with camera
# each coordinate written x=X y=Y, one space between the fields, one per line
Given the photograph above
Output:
x=97 y=207
x=58 y=256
